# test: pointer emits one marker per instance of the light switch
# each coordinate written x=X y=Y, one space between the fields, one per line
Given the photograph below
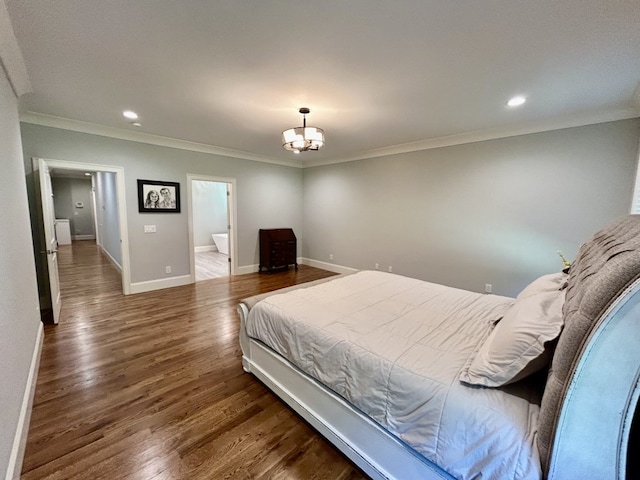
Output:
x=149 y=229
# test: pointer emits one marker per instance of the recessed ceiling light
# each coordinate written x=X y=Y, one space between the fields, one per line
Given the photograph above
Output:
x=516 y=101
x=87 y=174
x=136 y=124
x=130 y=114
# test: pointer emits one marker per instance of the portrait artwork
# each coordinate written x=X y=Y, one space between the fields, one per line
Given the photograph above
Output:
x=158 y=197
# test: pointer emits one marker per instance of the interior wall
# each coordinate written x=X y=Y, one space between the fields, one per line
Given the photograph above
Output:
x=268 y=195
x=67 y=193
x=210 y=213
x=491 y=212
x=107 y=215
x=19 y=306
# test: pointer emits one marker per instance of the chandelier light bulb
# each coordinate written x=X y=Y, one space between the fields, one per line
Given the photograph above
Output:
x=303 y=139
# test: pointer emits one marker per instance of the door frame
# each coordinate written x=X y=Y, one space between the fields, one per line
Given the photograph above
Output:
x=232 y=219
x=94 y=209
x=122 y=207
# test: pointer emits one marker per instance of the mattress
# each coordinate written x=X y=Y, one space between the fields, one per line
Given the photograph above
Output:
x=393 y=347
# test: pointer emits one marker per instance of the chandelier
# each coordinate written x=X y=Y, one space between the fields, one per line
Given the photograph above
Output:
x=301 y=139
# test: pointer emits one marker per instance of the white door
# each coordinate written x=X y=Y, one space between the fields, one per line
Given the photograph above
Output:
x=51 y=249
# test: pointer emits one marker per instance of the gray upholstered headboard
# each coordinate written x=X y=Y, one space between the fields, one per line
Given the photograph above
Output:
x=602 y=290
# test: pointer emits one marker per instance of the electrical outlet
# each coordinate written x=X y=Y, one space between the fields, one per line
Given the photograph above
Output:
x=487 y=288
x=167 y=269
x=149 y=229
x=377 y=266
x=390 y=268
x=331 y=256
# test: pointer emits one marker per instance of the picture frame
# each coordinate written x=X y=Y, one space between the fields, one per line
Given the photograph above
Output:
x=158 y=197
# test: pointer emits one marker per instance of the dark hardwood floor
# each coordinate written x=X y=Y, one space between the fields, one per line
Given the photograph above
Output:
x=150 y=386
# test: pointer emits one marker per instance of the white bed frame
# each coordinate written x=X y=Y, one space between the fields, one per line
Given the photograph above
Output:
x=379 y=454
x=586 y=426
x=587 y=444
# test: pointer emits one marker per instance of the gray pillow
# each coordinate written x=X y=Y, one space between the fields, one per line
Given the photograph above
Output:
x=517 y=346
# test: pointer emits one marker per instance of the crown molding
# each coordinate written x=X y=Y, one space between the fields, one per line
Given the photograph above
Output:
x=11 y=58
x=121 y=134
x=632 y=111
x=492 y=134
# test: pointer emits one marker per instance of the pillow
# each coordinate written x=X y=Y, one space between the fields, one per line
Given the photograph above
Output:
x=545 y=283
x=516 y=346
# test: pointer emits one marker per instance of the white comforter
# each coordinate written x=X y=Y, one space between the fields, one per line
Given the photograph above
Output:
x=394 y=347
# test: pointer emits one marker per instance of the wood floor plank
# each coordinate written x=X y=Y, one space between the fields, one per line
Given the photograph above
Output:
x=151 y=386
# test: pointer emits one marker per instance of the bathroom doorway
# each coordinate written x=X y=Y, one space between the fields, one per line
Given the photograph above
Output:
x=211 y=227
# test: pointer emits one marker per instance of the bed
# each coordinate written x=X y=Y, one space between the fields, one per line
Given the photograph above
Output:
x=412 y=379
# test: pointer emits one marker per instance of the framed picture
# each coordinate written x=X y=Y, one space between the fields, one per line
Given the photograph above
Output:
x=158 y=197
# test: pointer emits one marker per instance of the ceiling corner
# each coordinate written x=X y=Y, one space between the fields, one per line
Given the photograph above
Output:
x=11 y=56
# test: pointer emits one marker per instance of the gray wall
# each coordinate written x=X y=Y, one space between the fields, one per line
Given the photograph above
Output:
x=107 y=214
x=488 y=212
x=267 y=195
x=66 y=193
x=209 y=211
x=19 y=317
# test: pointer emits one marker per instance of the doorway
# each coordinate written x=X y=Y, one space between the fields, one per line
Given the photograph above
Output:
x=113 y=176
x=74 y=205
x=211 y=226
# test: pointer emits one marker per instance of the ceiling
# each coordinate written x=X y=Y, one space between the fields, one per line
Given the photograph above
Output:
x=379 y=77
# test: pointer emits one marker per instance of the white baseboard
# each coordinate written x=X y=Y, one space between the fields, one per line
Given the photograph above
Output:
x=326 y=266
x=20 y=440
x=111 y=259
x=205 y=248
x=302 y=261
x=83 y=237
x=247 y=269
x=151 y=285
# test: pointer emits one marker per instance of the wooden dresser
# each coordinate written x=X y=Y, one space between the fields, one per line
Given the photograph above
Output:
x=278 y=249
